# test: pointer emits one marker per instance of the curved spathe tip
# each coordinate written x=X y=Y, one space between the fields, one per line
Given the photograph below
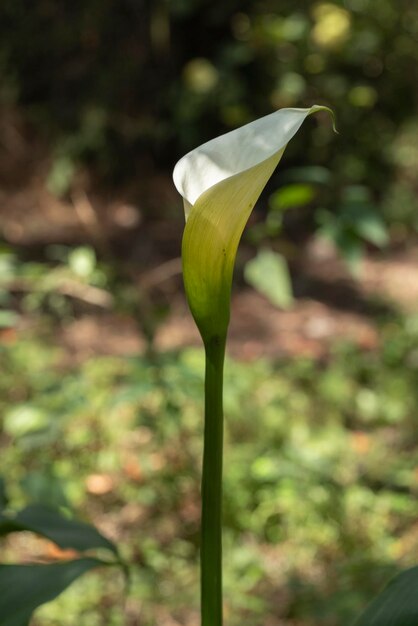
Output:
x=236 y=151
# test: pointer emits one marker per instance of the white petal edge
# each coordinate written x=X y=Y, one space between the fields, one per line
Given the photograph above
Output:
x=236 y=151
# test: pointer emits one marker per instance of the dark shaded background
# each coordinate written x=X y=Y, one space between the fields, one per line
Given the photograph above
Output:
x=121 y=90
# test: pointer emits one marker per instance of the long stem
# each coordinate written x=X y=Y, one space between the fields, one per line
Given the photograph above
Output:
x=211 y=539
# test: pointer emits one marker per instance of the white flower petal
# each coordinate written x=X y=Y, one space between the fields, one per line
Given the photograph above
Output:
x=220 y=183
x=236 y=151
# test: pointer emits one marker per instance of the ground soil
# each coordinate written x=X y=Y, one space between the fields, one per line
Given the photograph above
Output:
x=330 y=304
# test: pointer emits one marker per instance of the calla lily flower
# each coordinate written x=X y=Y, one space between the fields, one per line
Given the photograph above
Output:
x=220 y=182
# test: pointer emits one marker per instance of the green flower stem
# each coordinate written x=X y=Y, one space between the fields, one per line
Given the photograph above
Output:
x=211 y=538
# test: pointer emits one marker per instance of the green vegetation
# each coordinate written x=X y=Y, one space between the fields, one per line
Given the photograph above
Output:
x=319 y=487
x=98 y=100
x=120 y=90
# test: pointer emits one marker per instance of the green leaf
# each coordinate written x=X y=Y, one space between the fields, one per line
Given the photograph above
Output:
x=25 y=587
x=82 y=261
x=351 y=248
x=25 y=419
x=365 y=221
x=61 y=175
x=66 y=533
x=372 y=228
x=44 y=488
x=396 y=605
x=269 y=274
x=291 y=196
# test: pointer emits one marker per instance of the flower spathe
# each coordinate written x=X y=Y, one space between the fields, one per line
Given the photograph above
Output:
x=220 y=182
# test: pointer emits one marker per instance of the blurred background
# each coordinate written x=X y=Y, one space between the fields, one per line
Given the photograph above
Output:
x=101 y=366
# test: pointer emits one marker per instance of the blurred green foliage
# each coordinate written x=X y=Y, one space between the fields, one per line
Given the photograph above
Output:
x=268 y=273
x=321 y=476
x=53 y=285
x=319 y=488
x=130 y=86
